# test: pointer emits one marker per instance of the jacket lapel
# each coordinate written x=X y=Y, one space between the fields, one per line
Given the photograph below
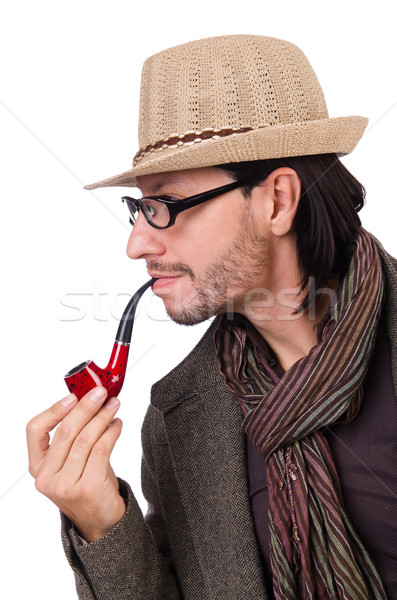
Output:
x=203 y=428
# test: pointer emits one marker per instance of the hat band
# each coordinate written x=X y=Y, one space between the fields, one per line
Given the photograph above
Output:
x=191 y=137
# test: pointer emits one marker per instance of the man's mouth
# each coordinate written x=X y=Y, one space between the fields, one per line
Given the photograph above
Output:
x=177 y=269
x=163 y=281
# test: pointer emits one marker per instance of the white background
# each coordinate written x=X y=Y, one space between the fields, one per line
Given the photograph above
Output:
x=69 y=83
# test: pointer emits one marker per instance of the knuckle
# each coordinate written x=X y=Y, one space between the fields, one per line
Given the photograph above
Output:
x=100 y=449
x=42 y=484
x=33 y=470
x=82 y=442
x=62 y=491
x=32 y=426
x=63 y=432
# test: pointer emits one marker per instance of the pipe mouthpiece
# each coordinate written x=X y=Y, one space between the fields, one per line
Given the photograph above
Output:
x=124 y=331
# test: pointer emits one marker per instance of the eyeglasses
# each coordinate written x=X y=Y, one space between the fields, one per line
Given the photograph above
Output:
x=161 y=211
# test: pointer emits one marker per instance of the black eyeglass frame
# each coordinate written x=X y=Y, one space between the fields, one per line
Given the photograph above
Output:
x=177 y=206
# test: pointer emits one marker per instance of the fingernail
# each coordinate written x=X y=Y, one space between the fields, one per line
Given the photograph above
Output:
x=69 y=400
x=98 y=393
x=112 y=403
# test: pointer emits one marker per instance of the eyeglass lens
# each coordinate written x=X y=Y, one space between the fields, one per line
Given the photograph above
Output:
x=155 y=212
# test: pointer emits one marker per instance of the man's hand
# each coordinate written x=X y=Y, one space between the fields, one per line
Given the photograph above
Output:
x=74 y=470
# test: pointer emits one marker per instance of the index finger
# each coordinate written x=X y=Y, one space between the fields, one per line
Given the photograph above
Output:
x=38 y=430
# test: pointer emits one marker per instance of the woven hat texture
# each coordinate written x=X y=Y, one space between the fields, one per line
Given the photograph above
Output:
x=231 y=99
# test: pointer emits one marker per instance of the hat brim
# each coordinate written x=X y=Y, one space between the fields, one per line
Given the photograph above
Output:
x=339 y=135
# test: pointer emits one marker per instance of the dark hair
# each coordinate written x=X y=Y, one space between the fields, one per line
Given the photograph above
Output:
x=326 y=223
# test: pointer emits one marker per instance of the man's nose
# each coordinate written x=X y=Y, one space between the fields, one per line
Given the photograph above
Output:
x=144 y=240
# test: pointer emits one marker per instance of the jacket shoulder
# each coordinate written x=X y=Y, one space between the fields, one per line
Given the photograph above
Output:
x=389 y=264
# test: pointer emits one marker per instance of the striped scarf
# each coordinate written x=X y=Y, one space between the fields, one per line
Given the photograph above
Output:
x=315 y=552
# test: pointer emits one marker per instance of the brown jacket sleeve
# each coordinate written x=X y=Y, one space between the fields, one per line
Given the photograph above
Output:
x=124 y=564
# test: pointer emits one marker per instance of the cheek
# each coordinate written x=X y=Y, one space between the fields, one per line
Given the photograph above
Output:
x=209 y=230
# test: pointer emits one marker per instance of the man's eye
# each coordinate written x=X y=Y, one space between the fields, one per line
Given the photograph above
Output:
x=151 y=208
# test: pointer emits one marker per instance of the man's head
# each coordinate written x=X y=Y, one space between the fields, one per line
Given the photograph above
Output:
x=233 y=107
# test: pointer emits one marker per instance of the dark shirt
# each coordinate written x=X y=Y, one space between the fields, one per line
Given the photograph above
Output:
x=365 y=454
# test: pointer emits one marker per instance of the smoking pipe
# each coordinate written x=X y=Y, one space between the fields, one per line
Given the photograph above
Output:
x=87 y=375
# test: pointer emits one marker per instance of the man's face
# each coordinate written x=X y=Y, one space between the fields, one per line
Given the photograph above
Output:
x=213 y=255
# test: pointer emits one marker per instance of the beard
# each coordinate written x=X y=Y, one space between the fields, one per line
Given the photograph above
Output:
x=226 y=282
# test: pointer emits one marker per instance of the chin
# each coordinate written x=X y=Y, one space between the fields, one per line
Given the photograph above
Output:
x=189 y=316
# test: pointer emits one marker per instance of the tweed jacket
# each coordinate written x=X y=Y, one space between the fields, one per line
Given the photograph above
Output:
x=197 y=541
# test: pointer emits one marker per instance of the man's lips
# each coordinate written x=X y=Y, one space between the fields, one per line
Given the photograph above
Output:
x=163 y=280
x=161 y=275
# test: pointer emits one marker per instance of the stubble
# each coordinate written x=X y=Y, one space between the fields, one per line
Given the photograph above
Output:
x=226 y=283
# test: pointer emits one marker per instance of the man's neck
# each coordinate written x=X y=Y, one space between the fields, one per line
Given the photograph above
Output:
x=290 y=332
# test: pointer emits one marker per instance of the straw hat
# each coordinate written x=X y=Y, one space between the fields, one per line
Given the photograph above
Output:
x=231 y=99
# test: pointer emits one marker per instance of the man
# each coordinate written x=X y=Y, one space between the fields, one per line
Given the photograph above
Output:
x=269 y=453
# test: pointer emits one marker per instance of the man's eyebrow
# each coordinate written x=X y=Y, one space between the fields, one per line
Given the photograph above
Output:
x=175 y=181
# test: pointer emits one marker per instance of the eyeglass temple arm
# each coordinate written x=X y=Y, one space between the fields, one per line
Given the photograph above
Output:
x=198 y=198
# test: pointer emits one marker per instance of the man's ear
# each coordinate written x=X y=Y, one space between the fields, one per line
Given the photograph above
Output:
x=284 y=187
